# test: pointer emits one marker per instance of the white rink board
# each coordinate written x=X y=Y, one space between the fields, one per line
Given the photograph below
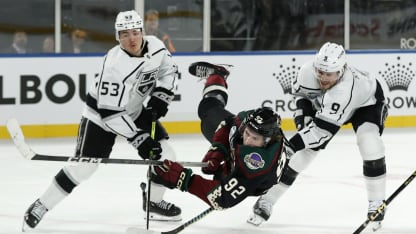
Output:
x=48 y=90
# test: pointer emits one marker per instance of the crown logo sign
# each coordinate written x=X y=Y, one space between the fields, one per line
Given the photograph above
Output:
x=285 y=75
x=398 y=75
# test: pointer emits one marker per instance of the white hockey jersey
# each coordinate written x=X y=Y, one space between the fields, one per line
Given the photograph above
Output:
x=334 y=106
x=116 y=98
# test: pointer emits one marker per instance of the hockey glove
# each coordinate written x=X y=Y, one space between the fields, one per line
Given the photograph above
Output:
x=301 y=120
x=214 y=157
x=159 y=101
x=173 y=175
x=223 y=131
x=145 y=144
x=304 y=113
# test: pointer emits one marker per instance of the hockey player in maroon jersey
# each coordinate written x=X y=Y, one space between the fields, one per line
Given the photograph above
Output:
x=245 y=156
x=329 y=93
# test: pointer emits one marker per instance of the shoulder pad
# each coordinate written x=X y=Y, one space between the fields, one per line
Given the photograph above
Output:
x=154 y=44
x=306 y=83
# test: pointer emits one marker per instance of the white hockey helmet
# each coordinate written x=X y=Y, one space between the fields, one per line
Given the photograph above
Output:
x=127 y=20
x=331 y=58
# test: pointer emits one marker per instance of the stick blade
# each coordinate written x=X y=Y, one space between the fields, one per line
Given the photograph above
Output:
x=13 y=127
x=134 y=230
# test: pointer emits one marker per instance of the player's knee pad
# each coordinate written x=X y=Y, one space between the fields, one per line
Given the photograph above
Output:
x=374 y=168
x=167 y=151
x=369 y=142
x=72 y=175
x=301 y=159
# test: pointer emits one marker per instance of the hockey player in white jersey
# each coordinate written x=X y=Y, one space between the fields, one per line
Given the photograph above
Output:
x=329 y=94
x=139 y=68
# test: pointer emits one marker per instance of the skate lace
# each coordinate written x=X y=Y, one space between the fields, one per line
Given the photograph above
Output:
x=38 y=210
x=203 y=72
x=164 y=205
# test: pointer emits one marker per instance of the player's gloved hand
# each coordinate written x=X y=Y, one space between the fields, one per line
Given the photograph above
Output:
x=173 y=175
x=145 y=145
x=159 y=101
x=214 y=157
x=301 y=120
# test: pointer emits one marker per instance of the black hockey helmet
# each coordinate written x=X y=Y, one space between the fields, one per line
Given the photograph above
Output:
x=265 y=122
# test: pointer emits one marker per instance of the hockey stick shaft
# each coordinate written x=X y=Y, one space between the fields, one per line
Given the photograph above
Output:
x=152 y=135
x=383 y=206
x=135 y=230
x=18 y=139
x=189 y=222
x=56 y=158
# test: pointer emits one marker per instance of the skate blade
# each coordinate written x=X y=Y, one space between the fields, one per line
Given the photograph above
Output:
x=25 y=227
x=157 y=217
x=255 y=220
x=375 y=225
x=134 y=230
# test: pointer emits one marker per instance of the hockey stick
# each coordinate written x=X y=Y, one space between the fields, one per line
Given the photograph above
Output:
x=152 y=135
x=383 y=206
x=18 y=138
x=134 y=230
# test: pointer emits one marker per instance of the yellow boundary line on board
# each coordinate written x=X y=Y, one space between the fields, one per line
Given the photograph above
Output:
x=185 y=127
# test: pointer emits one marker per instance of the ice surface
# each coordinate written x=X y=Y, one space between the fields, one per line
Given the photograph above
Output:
x=329 y=197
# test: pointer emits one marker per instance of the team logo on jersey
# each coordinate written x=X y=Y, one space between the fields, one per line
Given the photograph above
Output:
x=145 y=82
x=254 y=161
x=398 y=75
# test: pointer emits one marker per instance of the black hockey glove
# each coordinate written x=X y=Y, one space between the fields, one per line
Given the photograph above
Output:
x=145 y=144
x=159 y=101
x=301 y=120
x=304 y=113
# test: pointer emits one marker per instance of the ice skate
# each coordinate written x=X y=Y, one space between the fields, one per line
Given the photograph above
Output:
x=34 y=215
x=162 y=211
x=375 y=224
x=261 y=212
x=205 y=69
